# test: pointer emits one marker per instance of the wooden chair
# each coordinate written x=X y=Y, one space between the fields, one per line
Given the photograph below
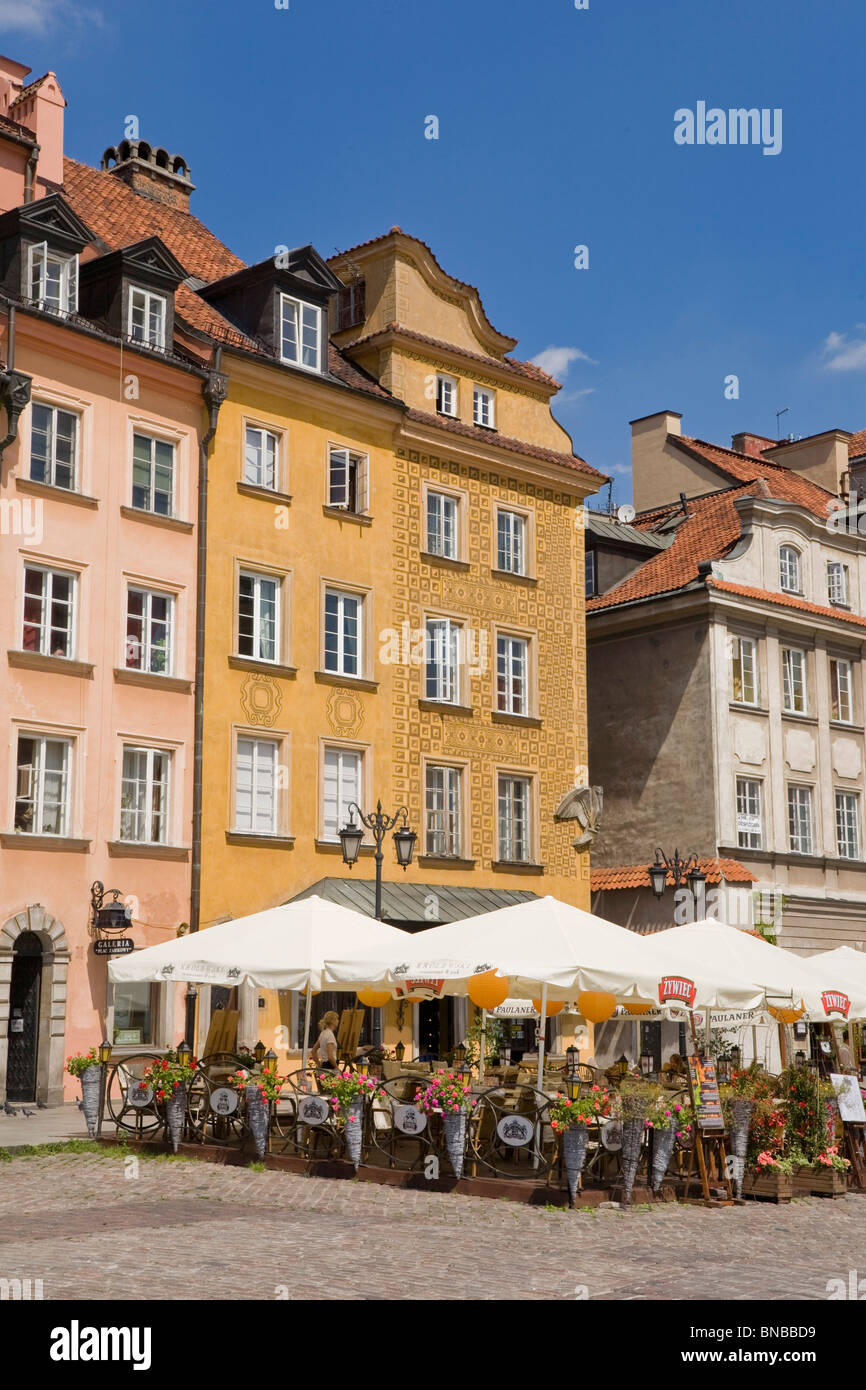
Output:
x=349 y=1034
x=222 y=1035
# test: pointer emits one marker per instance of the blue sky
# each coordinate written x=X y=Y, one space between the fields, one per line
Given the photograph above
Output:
x=556 y=130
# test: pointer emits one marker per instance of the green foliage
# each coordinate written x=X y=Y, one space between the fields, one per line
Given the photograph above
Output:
x=810 y=1113
x=81 y=1061
x=587 y=1109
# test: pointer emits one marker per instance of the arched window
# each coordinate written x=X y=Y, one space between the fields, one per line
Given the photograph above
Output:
x=789 y=570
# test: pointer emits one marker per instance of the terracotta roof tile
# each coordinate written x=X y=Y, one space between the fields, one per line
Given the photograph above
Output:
x=524 y=369
x=637 y=875
x=16 y=128
x=501 y=441
x=857 y=445
x=840 y=615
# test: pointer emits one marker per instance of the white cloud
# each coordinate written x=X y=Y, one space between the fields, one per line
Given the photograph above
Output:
x=43 y=16
x=844 y=353
x=575 y=395
x=557 y=360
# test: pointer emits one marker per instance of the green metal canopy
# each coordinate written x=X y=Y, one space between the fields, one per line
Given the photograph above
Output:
x=414 y=905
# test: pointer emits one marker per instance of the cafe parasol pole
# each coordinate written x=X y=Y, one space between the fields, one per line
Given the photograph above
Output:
x=307 y=1026
x=541 y=1031
x=483 y=1044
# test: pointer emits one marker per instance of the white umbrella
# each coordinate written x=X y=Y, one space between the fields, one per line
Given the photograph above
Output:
x=281 y=948
x=843 y=970
x=715 y=947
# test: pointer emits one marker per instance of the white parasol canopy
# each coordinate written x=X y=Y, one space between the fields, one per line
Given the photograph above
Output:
x=843 y=967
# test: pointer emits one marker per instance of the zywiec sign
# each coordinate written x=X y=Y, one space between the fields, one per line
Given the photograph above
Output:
x=422 y=989
x=120 y=946
x=676 y=989
x=835 y=1002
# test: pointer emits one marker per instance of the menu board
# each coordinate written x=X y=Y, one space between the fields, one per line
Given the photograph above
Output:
x=705 y=1093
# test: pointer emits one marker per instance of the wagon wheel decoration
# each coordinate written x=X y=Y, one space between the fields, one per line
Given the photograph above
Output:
x=213 y=1108
x=398 y=1131
x=510 y=1134
x=302 y=1122
x=129 y=1107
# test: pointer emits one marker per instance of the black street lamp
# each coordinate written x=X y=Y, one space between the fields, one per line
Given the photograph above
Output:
x=683 y=871
x=379 y=823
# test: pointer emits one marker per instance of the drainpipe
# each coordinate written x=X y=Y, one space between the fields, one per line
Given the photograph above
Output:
x=214 y=390
x=14 y=388
x=30 y=173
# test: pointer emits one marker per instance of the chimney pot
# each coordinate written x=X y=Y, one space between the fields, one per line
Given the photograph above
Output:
x=153 y=172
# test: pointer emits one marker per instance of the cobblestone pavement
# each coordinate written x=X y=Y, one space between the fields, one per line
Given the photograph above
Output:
x=91 y=1228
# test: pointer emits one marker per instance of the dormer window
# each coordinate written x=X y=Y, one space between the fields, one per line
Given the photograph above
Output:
x=146 y=317
x=789 y=570
x=300 y=333
x=53 y=279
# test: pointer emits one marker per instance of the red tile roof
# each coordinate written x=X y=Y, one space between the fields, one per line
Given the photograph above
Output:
x=502 y=441
x=857 y=444
x=524 y=369
x=712 y=527
x=16 y=128
x=789 y=601
x=637 y=875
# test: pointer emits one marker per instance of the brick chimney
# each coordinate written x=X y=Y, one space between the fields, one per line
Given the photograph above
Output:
x=152 y=172
x=752 y=444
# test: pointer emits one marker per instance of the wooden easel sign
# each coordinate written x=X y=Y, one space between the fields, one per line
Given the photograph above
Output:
x=709 y=1124
x=853 y=1116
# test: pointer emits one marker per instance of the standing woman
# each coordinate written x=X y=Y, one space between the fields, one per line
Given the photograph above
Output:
x=324 y=1053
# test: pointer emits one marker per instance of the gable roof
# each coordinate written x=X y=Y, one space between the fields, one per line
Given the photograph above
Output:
x=503 y=441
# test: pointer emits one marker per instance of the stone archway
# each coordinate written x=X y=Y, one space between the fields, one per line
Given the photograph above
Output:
x=52 y=1007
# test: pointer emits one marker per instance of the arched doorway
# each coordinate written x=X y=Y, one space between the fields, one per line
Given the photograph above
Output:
x=25 y=991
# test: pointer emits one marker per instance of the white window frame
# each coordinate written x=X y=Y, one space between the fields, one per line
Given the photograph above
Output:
x=443 y=665
x=300 y=307
x=847 y=805
x=40 y=740
x=149 y=783
x=258 y=744
x=484 y=403
x=790 y=570
x=436 y=512
x=49 y=573
x=516 y=541
x=258 y=577
x=341 y=462
x=744 y=667
x=38 y=258
x=794 y=680
x=505 y=830
x=341 y=595
x=146 y=649
x=837 y=583
x=443 y=823
x=750 y=799
x=446 y=395
x=264 y=434
x=148 y=301
x=153 y=440
x=51 y=460
x=841 y=690
x=513 y=662
x=331 y=835
x=801 y=827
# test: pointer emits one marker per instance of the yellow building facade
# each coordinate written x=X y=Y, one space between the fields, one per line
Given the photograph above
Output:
x=394 y=612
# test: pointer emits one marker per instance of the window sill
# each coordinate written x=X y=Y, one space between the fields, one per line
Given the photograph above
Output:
x=801 y=716
x=527 y=721
x=132 y=849
x=353 y=682
x=248 y=837
x=270 y=668
x=61 y=494
x=516 y=866
x=742 y=706
x=334 y=847
x=172 y=523
x=491 y=429
x=343 y=514
x=267 y=494
x=846 y=727
x=446 y=414
x=445 y=861
x=445 y=561
x=35 y=661
x=152 y=681
x=443 y=707
x=12 y=839
x=512 y=578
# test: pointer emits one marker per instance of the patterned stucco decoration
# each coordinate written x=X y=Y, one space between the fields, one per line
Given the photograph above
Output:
x=261 y=700
x=345 y=712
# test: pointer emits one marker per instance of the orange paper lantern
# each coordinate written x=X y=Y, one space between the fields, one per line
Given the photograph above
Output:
x=374 y=998
x=638 y=1006
x=554 y=1007
x=488 y=990
x=786 y=1015
x=595 y=1005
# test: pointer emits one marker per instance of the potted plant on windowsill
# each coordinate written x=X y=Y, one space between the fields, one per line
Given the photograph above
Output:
x=86 y=1066
x=259 y=1091
x=348 y=1092
x=169 y=1079
x=448 y=1095
x=569 y=1119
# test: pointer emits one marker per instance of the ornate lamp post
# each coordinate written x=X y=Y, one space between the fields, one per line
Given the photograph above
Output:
x=379 y=823
x=683 y=871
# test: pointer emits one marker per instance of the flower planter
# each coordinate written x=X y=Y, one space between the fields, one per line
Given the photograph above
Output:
x=454 y=1126
x=573 y=1157
x=91 y=1088
x=820 y=1182
x=354 y=1130
x=632 y=1138
x=741 y=1119
x=769 y=1184
x=258 y=1117
x=175 y=1114
x=663 y=1141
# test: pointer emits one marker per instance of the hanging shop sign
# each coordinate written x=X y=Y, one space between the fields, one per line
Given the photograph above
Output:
x=676 y=989
x=117 y=946
x=849 y=1097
